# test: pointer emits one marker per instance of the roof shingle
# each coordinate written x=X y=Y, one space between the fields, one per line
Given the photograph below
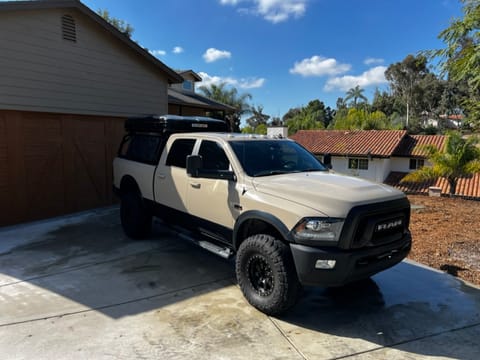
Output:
x=380 y=143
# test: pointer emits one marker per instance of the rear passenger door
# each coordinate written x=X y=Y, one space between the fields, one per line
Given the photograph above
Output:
x=170 y=181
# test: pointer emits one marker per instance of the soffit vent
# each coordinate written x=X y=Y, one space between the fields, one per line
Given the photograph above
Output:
x=69 y=31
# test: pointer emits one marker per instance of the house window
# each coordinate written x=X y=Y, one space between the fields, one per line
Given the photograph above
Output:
x=358 y=164
x=187 y=85
x=69 y=31
x=416 y=164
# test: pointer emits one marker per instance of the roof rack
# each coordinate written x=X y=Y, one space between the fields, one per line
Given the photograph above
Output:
x=174 y=123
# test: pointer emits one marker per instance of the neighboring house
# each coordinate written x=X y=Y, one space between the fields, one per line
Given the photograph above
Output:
x=183 y=100
x=382 y=156
x=68 y=80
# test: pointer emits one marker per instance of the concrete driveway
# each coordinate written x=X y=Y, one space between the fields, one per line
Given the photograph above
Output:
x=77 y=288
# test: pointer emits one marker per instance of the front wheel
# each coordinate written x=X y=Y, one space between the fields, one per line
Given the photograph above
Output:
x=266 y=274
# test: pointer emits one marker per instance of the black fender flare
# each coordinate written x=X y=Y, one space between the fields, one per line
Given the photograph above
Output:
x=268 y=218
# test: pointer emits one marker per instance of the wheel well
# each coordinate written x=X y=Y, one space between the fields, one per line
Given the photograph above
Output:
x=256 y=226
x=128 y=184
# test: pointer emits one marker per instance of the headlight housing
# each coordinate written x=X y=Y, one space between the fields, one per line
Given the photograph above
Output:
x=318 y=230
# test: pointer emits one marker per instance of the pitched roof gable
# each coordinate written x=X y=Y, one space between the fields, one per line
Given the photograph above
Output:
x=380 y=143
x=172 y=75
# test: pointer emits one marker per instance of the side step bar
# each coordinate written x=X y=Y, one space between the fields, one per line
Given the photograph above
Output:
x=224 y=252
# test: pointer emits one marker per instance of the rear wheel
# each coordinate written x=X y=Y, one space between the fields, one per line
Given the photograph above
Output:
x=266 y=274
x=135 y=217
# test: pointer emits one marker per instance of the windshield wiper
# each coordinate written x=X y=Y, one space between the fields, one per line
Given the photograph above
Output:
x=312 y=169
x=271 y=172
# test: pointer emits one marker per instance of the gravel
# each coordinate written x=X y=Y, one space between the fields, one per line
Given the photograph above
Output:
x=446 y=235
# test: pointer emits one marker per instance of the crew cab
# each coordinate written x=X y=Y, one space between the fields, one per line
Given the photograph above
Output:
x=288 y=220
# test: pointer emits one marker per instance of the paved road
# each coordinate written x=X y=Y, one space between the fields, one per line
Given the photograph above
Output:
x=77 y=288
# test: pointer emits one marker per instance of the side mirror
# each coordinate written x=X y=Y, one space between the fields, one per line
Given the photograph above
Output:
x=195 y=169
x=327 y=160
x=194 y=164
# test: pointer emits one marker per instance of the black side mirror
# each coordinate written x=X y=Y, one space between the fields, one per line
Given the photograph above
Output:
x=194 y=164
x=327 y=160
x=195 y=169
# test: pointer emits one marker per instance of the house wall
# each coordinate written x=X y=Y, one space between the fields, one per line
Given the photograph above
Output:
x=378 y=169
x=97 y=74
x=186 y=76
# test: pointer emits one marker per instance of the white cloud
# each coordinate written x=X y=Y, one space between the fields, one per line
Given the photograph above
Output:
x=374 y=76
x=319 y=66
x=243 y=83
x=229 y=2
x=213 y=54
x=157 y=52
x=372 y=61
x=274 y=11
x=177 y=50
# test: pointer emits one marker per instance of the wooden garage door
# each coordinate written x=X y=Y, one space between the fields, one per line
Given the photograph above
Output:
x=55 y=164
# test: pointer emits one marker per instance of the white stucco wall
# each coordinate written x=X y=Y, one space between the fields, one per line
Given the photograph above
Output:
x=378 y=169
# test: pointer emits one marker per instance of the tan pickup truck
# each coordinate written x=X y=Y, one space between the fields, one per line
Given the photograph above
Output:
x=287 y=218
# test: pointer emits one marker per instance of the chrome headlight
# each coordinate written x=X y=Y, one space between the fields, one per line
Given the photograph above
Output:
x=318 y=229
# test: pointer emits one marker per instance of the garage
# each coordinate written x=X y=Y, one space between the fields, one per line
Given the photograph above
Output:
x=53 y=164
x=69 y=81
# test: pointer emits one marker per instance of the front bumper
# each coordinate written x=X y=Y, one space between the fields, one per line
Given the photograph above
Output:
x=351 y=265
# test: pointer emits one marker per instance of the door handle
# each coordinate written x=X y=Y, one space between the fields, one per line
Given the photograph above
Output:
x=161 y=176
x=195 y=185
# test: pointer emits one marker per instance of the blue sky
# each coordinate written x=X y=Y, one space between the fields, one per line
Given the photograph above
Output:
x=286 y=52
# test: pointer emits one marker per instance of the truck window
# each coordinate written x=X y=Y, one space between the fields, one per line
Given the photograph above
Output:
x=213 y=156
x=179 y=151
x=141 y=148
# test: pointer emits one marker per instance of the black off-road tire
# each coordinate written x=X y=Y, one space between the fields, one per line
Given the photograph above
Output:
x=266 y=274
x=135 y=217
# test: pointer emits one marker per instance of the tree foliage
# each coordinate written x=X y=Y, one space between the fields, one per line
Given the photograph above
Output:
x=257 y=117
x=310 y=117
x=460 y=59
x=120 y=24
x=460 y=158
x=356 y=94
x=229 y=96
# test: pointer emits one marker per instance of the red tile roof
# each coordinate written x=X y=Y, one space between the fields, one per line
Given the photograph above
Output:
x=381 y=143
x=412 y=145
x=466 y=187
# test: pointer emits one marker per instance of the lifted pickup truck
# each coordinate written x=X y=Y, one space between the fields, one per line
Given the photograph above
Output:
x=287 y=218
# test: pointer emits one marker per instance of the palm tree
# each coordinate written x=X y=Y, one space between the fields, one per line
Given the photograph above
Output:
x=355 y=93
x=230 y=97
x=258 y=117
x=460 y=158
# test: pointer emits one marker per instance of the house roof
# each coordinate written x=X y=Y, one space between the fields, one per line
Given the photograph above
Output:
x=172 y=76
x=412 y=145
x=189 y=72
x=192 y=99
x=380 y=143
x=466 y=187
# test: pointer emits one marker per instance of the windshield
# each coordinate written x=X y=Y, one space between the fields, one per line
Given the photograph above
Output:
x=273 y=157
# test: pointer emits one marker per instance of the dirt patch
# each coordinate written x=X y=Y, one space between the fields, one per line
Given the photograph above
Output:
x=446 y=235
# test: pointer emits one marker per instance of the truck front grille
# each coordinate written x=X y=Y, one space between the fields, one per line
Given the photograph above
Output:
x=376 y=224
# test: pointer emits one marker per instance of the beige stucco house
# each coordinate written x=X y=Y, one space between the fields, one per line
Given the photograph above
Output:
x=68 y=79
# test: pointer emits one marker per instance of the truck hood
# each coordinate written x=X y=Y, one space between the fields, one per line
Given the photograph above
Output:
x=328 y=193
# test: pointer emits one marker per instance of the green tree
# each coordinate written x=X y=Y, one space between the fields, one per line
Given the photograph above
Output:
x=308 y=117
x=121 y=25
x=460 y=59
x=356 y=94
x=258 y=117
x=460 y=158
x=229 y=96
x=405 y=81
